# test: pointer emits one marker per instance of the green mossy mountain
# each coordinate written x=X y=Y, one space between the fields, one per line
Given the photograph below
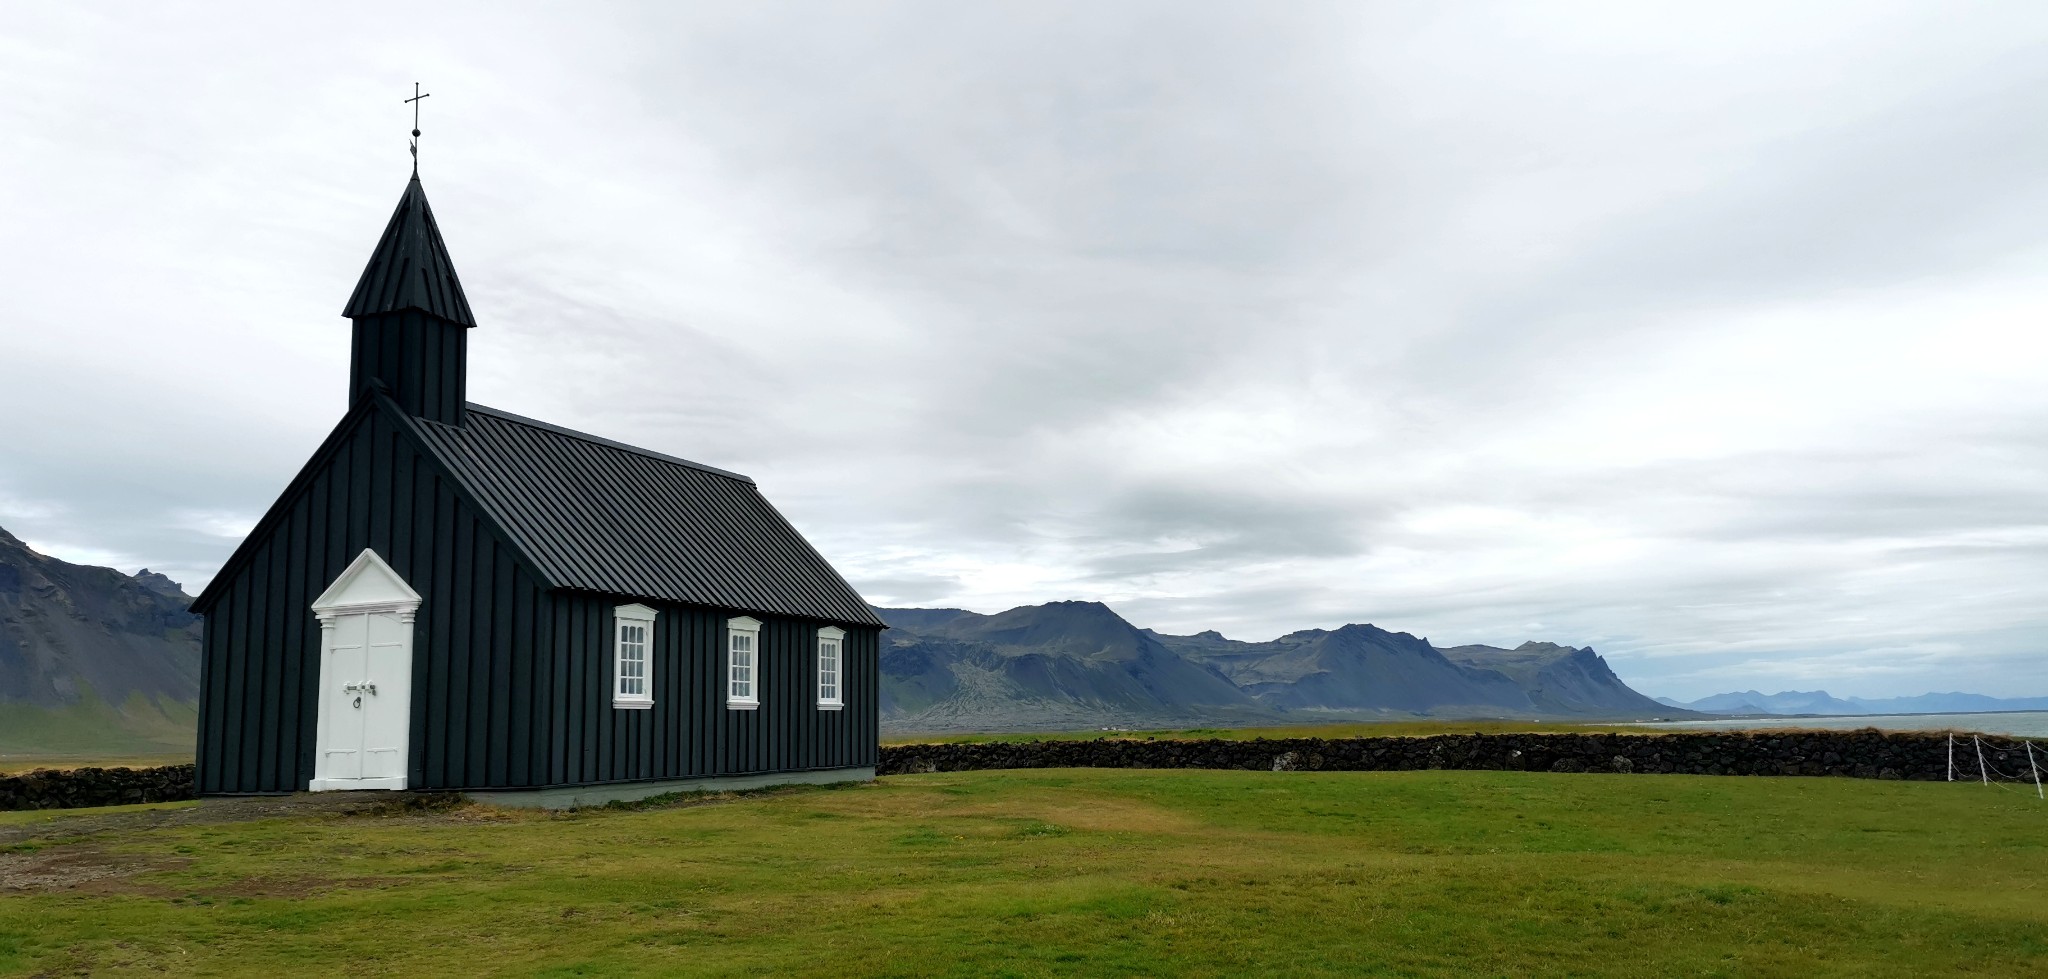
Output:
x=91 y=655
x=1067 y=665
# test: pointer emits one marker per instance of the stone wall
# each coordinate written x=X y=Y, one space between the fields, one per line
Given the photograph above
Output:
x=82 y=787
x=1853 y=754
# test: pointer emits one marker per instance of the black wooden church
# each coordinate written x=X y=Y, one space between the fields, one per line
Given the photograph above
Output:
x=453 y=597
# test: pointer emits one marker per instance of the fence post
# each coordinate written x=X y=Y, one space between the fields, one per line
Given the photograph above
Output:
x=1951 y=756
x=1983 y=773
x=2036 y=769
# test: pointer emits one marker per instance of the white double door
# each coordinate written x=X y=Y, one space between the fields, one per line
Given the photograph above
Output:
x=366 y=703
x=366 y=621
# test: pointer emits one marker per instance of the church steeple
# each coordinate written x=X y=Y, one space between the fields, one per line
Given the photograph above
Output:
x=411 y=318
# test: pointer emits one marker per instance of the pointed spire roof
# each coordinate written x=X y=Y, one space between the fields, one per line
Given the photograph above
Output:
x=411 y=268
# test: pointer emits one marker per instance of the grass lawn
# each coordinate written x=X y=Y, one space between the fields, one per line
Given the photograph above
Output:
x=136 y=734
x=97 y=759
x=1049 y=872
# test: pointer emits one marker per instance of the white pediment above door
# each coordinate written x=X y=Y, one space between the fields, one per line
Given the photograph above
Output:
x=368 y=585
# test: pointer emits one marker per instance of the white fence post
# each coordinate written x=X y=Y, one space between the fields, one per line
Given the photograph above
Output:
x=2036 y=769
x=1982 y=772
x=1951 y=756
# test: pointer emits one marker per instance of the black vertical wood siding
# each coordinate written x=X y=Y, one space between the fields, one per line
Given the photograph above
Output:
x=260 y=675
x=422 y=360
x=512 y=684
x=690 y=732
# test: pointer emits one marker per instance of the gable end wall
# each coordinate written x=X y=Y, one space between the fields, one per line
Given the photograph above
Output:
x=473 y=639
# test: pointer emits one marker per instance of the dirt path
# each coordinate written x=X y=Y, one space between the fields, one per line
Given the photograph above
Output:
x=64 y=828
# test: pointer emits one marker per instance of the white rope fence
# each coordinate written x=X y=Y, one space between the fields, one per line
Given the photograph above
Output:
x=1985 y=769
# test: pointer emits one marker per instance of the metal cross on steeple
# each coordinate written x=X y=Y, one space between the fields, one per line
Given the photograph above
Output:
x=417 y=95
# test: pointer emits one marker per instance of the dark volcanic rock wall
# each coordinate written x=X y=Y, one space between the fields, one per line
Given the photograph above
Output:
x=1854 y=754
x=84 y=787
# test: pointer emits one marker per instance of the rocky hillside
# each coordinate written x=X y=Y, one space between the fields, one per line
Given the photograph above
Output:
x=1062 y=665
x=1067 y=665
x=1357 y=667
x=1561 y=679
x=92 y=655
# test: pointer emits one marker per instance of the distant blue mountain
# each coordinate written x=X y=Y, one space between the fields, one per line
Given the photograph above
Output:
x=1819 y=702
x=1785 y=702
x=1948 y=703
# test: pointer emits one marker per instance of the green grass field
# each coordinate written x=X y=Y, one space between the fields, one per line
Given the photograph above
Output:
x=137 y=733
x=1053 y=872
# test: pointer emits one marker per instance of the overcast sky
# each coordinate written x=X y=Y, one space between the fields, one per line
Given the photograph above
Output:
x=1712 y=336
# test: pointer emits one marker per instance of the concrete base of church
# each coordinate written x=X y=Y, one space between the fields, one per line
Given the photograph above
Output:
x=571 y=796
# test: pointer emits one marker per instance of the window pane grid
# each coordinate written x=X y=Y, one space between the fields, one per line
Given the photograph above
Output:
x=828 y=671
x=740 y=682
x=631 y=661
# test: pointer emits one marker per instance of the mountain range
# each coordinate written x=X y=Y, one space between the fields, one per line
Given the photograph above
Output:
x=1820 y=702
x=96 y=663
x=1067 y=665
x=93 y=662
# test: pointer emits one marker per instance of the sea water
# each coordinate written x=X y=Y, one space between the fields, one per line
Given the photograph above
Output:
x=2019 y=724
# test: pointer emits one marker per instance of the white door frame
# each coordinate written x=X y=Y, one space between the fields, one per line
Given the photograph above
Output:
x=369 y=587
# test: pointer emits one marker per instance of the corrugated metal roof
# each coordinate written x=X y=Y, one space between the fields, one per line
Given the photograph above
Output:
x=410 y=268
x=607 y=517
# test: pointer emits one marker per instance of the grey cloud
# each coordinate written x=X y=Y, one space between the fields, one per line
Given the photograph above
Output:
x=1225 y=526
x=1237 y=317
x=907 y=590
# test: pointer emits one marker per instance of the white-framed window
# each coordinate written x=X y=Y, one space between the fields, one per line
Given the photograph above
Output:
x=742 y=663
x=831 y=667
x=633 y=657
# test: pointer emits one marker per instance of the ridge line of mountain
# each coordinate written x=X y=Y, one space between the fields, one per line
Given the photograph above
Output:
x=74 y=635
x=1063 y=663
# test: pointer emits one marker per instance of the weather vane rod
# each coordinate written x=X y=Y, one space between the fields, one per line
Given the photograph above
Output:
x=417 y=95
